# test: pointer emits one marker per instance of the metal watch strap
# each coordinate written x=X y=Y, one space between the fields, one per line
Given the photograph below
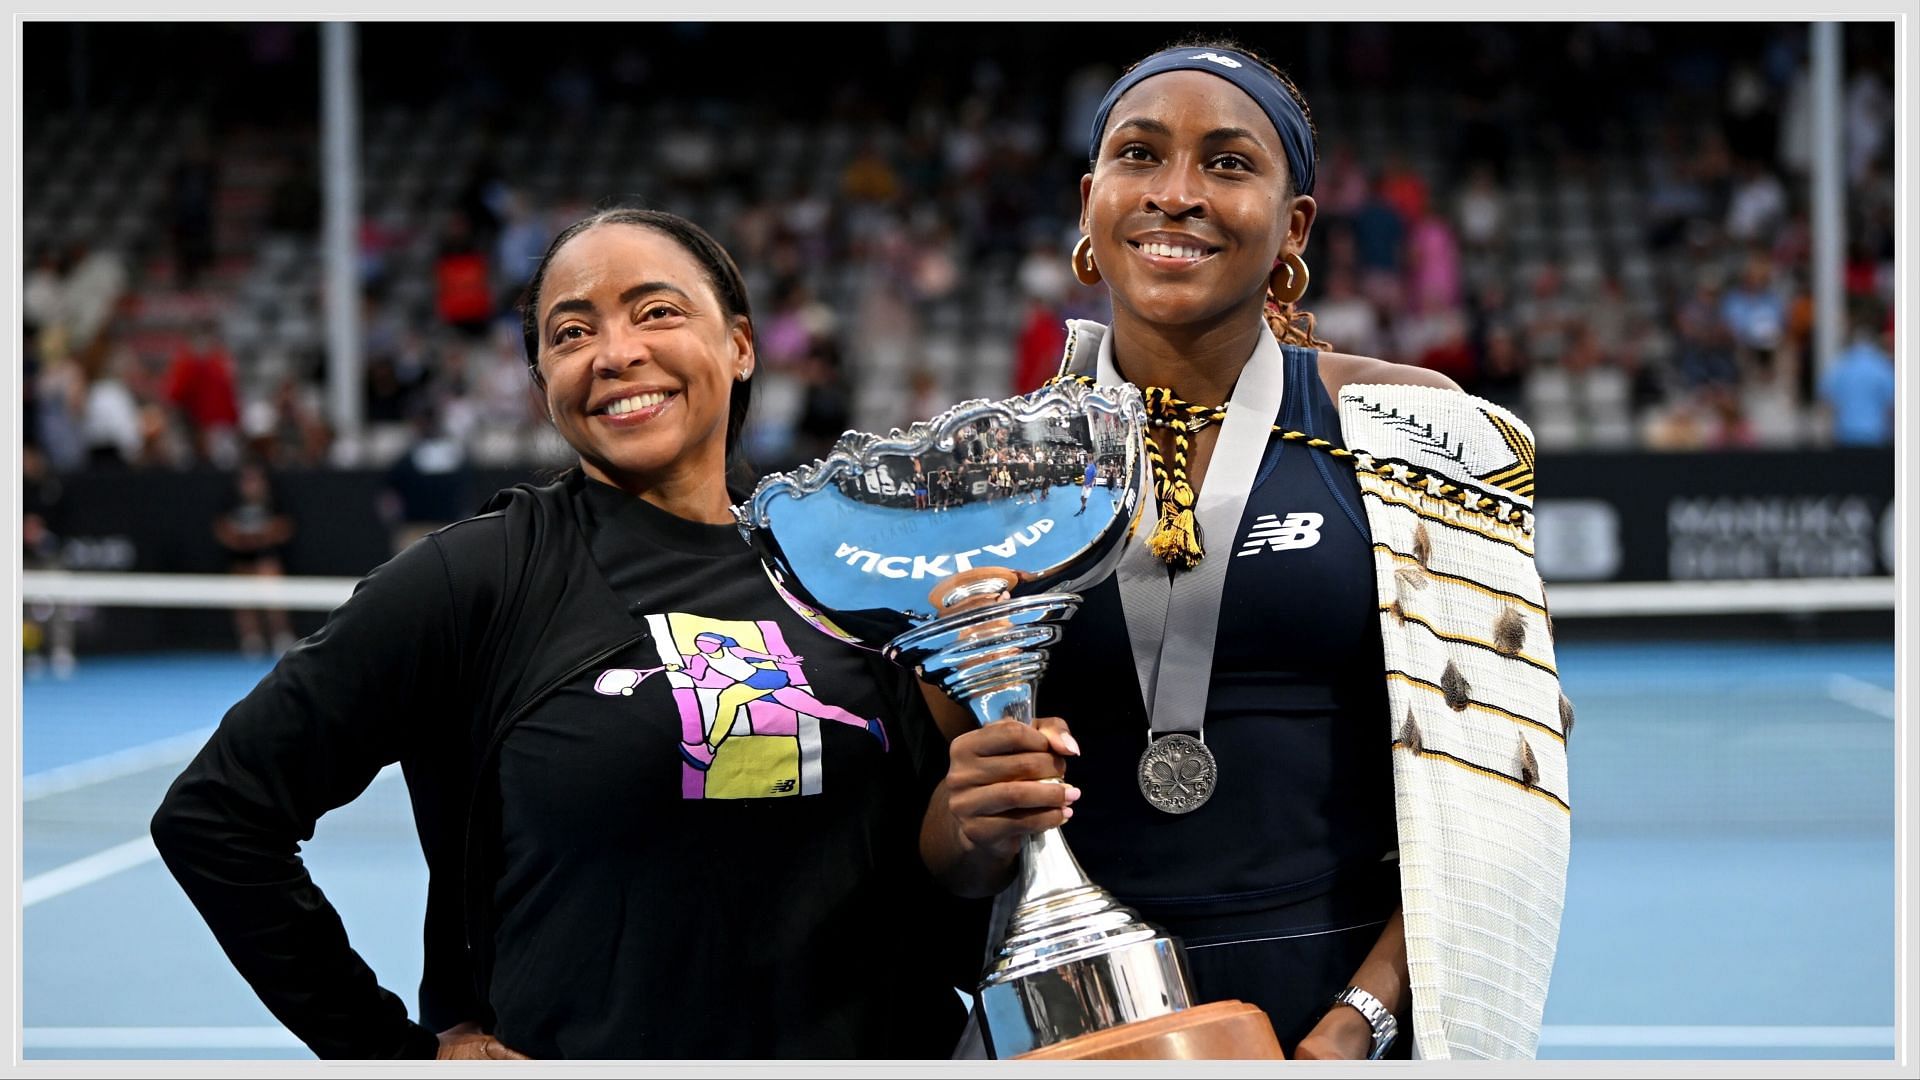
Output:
x=1385 y=1027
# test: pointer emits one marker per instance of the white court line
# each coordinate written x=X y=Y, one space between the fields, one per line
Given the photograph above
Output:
x=1861 y=694
x=1587 y=1035
x=1711 y=597
x=99 y=770
x=83 y=872
x=185 y=590
x=1705 y=1036
x=104 y=864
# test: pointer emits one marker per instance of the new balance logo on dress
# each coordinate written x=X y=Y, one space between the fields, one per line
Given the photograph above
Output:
x=1269 y=533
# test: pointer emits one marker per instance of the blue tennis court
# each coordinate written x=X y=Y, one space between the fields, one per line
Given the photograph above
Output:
x=1731 y=893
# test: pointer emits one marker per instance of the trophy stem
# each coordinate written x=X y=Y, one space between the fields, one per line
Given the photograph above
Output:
x=1047 y=866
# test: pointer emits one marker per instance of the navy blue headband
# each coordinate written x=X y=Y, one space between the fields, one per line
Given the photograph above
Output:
x=1242 y=71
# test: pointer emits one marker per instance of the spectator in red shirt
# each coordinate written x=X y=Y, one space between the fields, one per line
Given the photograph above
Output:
x=1037 y=355
x=464 y=294
x=1043 y=334
x=1404 y=189
x=199 y=383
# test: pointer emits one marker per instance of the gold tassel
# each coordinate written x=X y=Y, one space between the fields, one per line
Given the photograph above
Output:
x=1176 y=536
x=1176 y=540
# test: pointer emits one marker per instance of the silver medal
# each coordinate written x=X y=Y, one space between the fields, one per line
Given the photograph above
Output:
x=1177 y=773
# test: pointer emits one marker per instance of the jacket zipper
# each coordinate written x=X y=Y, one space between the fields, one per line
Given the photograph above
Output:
x=493 y=746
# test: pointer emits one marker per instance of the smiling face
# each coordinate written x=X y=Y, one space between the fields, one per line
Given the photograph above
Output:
x=638 y=357
x=1189 y=202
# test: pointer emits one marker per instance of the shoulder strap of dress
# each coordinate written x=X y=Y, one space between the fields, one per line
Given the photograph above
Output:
x=1310 y=409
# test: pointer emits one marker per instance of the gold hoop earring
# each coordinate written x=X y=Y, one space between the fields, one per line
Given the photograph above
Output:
x=1295 y=285
x=1280 y=280
x=1084 y=271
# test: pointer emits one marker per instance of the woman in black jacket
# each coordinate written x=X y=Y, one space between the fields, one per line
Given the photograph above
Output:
x=607 y=879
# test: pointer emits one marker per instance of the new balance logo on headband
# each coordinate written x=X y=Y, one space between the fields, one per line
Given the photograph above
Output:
x=1223 y=61
x=1269 y=533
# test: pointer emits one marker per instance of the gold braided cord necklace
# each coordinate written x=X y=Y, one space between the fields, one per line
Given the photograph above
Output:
x=1176 y=538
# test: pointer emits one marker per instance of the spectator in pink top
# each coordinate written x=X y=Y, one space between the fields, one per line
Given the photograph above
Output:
x=1433 y=264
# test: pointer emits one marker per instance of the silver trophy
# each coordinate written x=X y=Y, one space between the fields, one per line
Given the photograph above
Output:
x=955 y=548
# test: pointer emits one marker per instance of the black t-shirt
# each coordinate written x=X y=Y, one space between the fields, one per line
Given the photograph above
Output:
x=250 y=518
x=710 y=842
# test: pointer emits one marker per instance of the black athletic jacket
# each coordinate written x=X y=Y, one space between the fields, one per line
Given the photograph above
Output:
x=431 y=660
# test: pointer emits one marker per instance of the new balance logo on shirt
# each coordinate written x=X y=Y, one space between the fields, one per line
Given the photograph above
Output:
x=1270 y=533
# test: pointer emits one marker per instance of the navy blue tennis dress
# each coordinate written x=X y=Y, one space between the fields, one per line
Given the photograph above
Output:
x=1280 y=884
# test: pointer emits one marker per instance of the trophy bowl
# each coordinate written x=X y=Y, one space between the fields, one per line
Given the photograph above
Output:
x=1041 y=487
x=954 y=548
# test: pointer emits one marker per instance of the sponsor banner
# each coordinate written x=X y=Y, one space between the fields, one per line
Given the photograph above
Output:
x=1716 y=517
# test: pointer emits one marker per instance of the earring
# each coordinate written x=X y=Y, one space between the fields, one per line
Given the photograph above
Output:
x=1084 y=271
x=1294 y=286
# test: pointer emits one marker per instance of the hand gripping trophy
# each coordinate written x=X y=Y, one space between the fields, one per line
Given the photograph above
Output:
x=955 y=548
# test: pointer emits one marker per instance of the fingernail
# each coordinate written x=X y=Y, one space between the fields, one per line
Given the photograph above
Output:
x=1066 y=812
x=1073 y=793
x=1073 y=746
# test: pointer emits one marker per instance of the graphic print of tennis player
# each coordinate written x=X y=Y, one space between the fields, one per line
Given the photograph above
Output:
x=727 y=688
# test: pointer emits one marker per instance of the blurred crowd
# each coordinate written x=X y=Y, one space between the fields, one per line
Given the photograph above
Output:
x=1627 y=266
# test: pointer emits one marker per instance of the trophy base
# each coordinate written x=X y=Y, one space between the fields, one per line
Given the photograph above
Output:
x=1031 y=1007
x=1222 y=1030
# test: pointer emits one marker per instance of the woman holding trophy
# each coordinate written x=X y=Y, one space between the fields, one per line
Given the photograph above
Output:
x=1315 y=727
x=632 y=854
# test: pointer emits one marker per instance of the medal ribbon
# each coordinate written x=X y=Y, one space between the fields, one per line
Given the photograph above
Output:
x=1173 y=617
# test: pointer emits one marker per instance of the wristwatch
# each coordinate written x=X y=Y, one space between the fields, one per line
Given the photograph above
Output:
x=1385 y=1027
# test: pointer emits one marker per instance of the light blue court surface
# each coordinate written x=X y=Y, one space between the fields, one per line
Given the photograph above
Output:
x=1733 y=841
x=119 y=702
